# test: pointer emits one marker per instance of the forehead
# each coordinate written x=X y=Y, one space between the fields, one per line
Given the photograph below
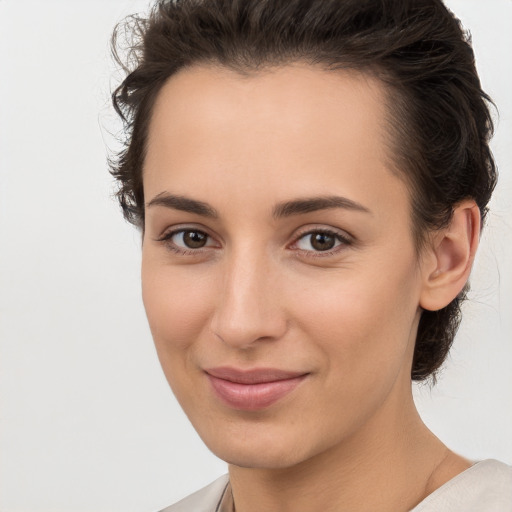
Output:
x=294 y=129
x=205 y=98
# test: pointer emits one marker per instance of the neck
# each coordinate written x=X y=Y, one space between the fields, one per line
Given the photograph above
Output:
x=391 y=464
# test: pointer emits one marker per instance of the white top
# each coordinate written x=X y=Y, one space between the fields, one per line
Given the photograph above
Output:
x=484 y=487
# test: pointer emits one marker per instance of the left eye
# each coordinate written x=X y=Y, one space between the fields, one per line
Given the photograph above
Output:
x=319 y=241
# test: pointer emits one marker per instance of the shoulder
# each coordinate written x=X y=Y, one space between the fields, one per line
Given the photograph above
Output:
x=484 y=487
x=206 y=499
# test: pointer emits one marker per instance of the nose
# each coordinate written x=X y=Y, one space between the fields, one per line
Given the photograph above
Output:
x=248 y=307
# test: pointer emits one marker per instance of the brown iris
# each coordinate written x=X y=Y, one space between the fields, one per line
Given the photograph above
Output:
x=322 y=241
x=194 y=239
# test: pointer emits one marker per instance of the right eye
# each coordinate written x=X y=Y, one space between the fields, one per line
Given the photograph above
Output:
x=187 y=241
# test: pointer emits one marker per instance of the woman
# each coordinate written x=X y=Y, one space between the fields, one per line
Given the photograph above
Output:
x=310 y=179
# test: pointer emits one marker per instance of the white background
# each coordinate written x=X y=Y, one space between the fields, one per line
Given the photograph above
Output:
x=87 y=422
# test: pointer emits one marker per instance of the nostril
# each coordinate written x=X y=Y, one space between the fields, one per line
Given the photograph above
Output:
x=244 y=333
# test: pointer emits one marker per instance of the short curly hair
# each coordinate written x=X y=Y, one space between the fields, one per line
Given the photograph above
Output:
x=438 y=115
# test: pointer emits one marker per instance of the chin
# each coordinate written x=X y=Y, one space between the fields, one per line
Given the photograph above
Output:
x=257 y=450
x=261 y=458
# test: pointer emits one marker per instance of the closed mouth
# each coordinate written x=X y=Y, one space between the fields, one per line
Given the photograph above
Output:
x=253 y=389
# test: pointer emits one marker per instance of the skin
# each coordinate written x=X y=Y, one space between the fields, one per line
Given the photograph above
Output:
x=259 y=294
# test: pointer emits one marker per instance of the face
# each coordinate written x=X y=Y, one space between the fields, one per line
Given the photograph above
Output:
x=279 y=273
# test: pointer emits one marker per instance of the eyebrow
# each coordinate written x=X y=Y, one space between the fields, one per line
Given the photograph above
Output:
x=281 y=210
x=311 y=204
x=184 y=204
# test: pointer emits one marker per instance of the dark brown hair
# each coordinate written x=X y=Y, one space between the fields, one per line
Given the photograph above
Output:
x=438 y=115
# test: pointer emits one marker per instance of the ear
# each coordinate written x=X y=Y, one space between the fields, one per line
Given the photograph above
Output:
x=450 y=256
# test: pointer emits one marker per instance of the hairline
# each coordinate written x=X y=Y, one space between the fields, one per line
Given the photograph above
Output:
x=393 y=96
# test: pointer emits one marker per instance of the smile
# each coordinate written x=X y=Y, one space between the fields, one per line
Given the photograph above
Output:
x=252 y=390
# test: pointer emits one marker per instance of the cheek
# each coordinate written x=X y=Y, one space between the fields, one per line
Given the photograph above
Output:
x=362 y=321
x=177 y=308
x=176 y=303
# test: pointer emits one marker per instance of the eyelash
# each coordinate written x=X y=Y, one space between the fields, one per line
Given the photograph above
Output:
x=345 y=241
x=166 y=239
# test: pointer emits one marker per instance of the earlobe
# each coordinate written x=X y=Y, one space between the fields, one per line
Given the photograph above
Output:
x=452 y=254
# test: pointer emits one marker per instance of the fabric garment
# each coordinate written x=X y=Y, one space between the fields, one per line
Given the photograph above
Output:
x=484 y=487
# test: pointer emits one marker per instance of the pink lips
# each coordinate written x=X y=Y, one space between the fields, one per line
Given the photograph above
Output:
x=252 y=390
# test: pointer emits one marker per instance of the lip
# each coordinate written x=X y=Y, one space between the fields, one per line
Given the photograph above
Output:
x=255 y=389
